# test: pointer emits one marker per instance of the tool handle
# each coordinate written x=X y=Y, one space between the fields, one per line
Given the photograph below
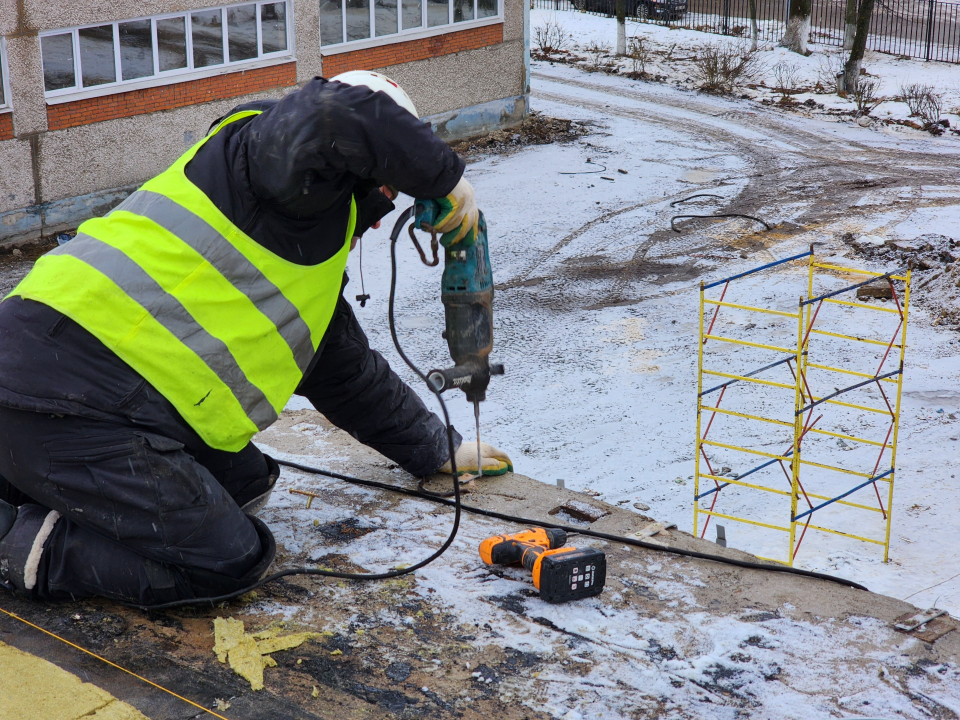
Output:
x=531 y=553
x=509 y=549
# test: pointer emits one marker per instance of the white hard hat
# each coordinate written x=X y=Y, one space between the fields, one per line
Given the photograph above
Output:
x=378 y=82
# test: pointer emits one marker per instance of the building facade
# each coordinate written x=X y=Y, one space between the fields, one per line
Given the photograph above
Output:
x=96 y=96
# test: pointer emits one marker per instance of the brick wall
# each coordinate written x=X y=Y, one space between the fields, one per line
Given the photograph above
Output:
x=421 y=49
x=6 y=126
x=167 y=97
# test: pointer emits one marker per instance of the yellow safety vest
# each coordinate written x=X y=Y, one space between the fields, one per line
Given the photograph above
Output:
x=218 y=324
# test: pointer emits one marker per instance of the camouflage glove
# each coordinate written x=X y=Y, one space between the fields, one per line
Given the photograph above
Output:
x=458 y=216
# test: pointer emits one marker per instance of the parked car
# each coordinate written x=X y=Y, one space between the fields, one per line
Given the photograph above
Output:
x=652 y=9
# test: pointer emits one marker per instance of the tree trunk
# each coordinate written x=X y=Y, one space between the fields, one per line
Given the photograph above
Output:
x=798 y=27
x=849 y=24
x=621 y=7
x=754 y=30
x=851 y=70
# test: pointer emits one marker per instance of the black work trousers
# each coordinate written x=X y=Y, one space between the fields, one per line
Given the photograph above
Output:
x=143 y=519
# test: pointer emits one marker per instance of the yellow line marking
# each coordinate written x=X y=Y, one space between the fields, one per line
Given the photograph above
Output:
x=112 y=664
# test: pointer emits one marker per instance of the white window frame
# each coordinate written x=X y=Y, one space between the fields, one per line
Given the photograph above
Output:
x=411 y=33
x=78 y=92
x=6 y=105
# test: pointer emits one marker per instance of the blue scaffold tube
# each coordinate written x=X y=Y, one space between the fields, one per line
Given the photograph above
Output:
x=841 y=497
x=756 y=270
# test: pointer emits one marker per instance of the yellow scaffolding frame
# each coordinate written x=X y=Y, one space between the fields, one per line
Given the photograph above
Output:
x=798 y=359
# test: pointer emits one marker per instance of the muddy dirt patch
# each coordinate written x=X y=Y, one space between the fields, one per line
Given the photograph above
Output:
x=536 y=129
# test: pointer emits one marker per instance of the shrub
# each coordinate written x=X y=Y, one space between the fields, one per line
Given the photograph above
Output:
x=550 y=37
x=924 y=102
x=721 y=68
x=639 y=53
x=866 y=95
x=830 y=67
x=597 y=52
x=786 y=76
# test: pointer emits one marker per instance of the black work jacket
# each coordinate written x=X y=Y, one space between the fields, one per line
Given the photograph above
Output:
x=285 y=177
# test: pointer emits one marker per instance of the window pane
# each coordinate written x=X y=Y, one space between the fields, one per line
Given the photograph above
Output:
x=486 y=8
x=412 y=16
x=172 y=43
x=57 y=51
x=331 y=22
x=136 y=50
x=437 y=13
x=273 y=27
x=97 y=64
x=385 y=17
x=358 y=19
x=242 y=32
x=462 y=10
x=207 y=38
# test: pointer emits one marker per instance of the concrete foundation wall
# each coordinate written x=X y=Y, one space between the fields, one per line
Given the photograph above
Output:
x=16 y=178
x=464 y=79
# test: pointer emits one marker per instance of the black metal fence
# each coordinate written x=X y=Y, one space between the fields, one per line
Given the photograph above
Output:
x=927 y=29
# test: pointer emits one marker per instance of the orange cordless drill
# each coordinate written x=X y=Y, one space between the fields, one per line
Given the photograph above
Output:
x=559 y=573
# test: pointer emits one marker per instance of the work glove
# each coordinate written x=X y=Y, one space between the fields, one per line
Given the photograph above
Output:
x=458 y=216
x=495 y=462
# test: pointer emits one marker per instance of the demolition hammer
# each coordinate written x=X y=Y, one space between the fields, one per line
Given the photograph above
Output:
x=559 y=573
x=467 y=296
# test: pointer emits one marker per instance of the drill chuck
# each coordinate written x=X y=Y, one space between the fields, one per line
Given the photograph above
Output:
x=472 y=378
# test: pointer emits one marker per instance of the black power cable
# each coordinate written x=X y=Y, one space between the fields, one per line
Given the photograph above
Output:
x=574 y=530
x=673 y=220
x=397 y=228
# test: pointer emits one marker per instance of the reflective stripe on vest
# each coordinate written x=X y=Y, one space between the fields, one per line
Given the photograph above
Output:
x=222 y=327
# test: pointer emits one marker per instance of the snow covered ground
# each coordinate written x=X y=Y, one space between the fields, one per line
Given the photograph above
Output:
x=596 y=307
x=670 y=50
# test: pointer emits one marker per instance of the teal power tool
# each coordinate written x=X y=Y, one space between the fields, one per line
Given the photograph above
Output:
x=467 y=296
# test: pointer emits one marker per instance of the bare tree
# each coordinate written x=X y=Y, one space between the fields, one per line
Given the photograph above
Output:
x=798 y=27
x=850 y=24
x=754 y=30
x=621 y=9
x=851 y=71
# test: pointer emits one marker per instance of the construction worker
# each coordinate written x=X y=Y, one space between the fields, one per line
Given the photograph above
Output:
x=138 y=360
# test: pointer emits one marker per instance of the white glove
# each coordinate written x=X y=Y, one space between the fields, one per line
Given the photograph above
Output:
x=459 y=214
x=495 y=462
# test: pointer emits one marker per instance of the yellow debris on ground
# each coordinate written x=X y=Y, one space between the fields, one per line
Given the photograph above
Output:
x=248 y=653
x=31 y=688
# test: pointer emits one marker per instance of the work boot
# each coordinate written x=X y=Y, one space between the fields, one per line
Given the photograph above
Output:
x=21 y=546
x=264 y=486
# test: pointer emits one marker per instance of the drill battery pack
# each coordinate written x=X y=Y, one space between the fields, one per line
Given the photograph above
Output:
x=570 y=574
